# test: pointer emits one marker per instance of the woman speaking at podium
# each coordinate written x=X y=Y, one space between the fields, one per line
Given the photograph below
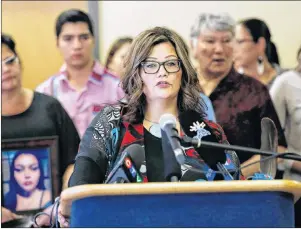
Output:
x=159 y=78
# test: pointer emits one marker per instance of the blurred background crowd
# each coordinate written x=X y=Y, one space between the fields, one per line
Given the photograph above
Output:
x=73 y=52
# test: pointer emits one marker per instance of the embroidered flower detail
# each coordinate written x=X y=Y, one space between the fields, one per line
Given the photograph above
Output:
x=196 y=125
x=202 y=133
x=199 y=128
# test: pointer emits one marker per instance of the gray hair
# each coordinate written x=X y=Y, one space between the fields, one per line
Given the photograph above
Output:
x=213 y=22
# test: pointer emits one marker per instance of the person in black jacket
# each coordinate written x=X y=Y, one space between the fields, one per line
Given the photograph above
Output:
x=29 y=114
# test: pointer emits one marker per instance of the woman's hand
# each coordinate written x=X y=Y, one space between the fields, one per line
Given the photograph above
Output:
x=63 y=220
x=44 y=219
x=7 y=215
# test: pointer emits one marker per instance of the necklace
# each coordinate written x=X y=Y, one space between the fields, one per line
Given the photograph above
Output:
x=154 y=128
x=150 y=121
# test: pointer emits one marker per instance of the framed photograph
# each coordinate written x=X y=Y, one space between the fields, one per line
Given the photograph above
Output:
x=29 y=173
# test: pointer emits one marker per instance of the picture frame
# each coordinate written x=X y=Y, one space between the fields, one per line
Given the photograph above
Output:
x=28 y=165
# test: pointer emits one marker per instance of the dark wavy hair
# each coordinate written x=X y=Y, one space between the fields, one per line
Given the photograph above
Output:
x=115 y=47
x=189 y=94
x=258 y=28
x=14 y=187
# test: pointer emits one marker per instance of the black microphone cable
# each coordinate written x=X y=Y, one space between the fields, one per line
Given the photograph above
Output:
x=54 y=224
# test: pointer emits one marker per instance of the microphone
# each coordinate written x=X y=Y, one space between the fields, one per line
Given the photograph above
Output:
x=127 y=168
x=168 y=125
x=269 y=142
x=195 y=128
x=172 y=169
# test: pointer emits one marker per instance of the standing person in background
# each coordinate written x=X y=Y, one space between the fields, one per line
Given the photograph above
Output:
x=286 y=95
x=255 y=54
x=83 y=86
x=115 y=59
x=29 y=114
x=239 y=101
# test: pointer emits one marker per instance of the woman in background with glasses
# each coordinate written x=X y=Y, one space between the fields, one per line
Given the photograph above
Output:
x=29 y=114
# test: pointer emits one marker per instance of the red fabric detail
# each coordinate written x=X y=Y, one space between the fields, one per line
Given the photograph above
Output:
x=242 y=177
x=128 y=137
x=107 y=71
x=191 y=153
x=97 y=108
x=139 y=128
x=96 y=76
x=217 y=130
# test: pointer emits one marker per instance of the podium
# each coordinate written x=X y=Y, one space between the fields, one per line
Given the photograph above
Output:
x=260 y=203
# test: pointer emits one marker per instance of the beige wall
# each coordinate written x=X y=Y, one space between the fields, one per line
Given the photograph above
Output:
x=32 y=23
x=130 y=18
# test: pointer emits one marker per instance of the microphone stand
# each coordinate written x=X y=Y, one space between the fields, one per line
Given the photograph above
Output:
x=199 y=143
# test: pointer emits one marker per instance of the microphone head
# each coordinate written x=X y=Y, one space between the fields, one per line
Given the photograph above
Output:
x=137 y=154
x=269 y=142
x=127 y=168
x=167 y=119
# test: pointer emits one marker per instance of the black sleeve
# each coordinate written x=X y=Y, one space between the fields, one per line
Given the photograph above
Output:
x=68 y=137
x=268 y=110
x=86 y=171
x=92 y=161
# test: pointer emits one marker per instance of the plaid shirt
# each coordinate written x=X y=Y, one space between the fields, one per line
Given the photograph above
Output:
x=102 y=88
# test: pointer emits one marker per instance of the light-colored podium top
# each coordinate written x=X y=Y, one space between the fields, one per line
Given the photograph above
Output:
x=83 y=191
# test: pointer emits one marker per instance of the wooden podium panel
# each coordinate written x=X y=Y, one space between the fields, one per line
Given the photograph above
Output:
x=267 y=203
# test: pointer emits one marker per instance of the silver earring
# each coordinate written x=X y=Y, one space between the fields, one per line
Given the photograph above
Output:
x=241 y=70
x=260 y=65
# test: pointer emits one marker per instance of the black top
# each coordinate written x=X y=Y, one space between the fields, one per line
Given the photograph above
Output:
x=153 y=157
x=45 y=117
x=240 y=102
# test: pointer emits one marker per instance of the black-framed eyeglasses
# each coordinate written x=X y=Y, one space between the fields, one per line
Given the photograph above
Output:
x=152 y=67
x=11 y=60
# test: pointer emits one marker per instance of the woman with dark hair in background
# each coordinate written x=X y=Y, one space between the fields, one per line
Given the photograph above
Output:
x=255 y=54
x=29 y=114
x=116 y=54
x=26 y=185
